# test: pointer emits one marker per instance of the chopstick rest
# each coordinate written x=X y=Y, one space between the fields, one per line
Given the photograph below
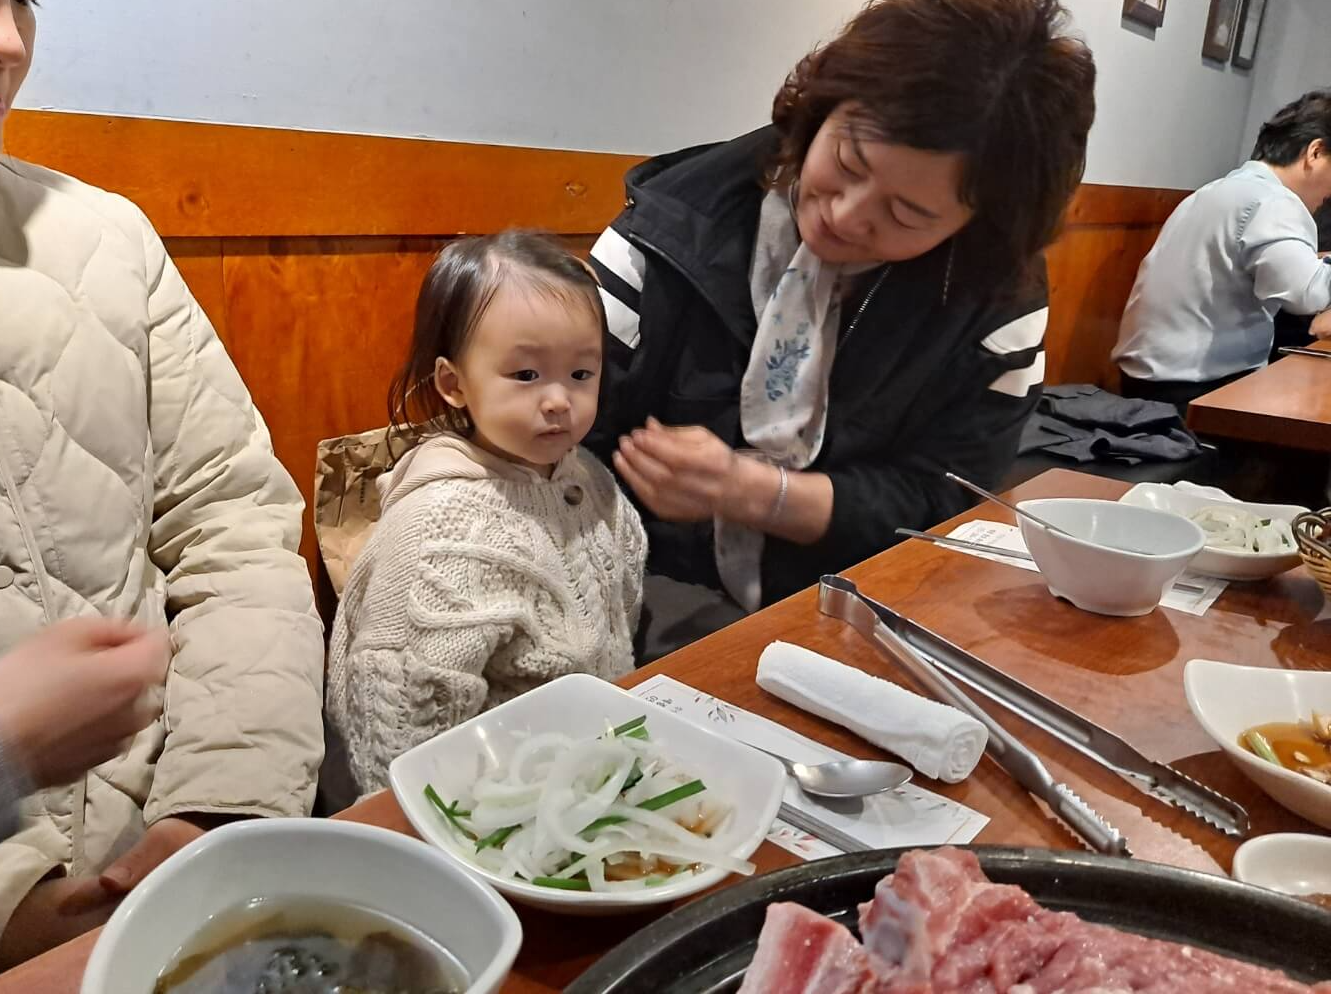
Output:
x=938 y=740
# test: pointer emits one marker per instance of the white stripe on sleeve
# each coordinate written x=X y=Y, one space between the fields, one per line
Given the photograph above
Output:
x=1024 y=333
x=613 y=251
x=1018 y=382
x=621 y=319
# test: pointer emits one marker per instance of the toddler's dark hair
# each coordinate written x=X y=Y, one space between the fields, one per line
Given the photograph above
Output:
x=454 y=296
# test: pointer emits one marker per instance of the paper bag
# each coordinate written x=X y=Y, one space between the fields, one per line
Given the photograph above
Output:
x=346 y=499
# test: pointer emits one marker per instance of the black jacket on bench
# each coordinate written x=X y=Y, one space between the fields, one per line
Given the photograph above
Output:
x=929 y=381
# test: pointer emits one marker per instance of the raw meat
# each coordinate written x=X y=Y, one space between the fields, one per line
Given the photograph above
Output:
x=939 y=926
x=802 y=951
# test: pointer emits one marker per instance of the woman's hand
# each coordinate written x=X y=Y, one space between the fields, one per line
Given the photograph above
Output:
x=53 y=912
x=63 y=908
x=71 y=695
x=1321 y=326
x=159 y=842
x=688 y=474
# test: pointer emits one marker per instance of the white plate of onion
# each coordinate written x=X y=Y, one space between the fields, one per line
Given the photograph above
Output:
x=581 y=798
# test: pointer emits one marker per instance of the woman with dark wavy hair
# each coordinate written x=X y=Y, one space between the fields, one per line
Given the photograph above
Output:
x=812 y=323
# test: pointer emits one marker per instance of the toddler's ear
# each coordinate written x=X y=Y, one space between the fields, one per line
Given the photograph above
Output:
x=448 y=383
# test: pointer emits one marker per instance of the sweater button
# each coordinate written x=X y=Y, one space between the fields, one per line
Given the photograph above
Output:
x=6 y=577
x=573 y=496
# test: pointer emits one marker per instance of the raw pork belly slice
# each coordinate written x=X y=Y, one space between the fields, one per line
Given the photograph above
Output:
x=801 y=951
x=939 y=926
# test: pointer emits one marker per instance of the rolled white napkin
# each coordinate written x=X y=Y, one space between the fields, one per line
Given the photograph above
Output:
x=939 y=741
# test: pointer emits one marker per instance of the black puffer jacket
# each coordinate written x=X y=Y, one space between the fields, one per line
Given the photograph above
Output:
x=933 y=378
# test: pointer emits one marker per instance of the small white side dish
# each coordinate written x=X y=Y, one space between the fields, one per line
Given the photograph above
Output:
x=338 y=861
x=1290 y=862
x=581 y=706
x=1092 y=569
x=1228 y=564
x=1227 y=700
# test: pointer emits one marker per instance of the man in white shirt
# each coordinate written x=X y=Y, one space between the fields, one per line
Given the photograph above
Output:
x=1229 y=257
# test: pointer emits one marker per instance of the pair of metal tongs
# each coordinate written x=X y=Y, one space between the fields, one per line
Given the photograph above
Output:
x=931 y=659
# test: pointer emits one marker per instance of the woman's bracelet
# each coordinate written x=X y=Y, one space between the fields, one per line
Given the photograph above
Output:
x=779 y=504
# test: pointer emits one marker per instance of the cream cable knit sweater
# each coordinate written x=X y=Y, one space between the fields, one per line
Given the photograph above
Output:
x=481 y=581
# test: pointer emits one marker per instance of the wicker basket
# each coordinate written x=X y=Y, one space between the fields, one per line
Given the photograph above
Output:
x=1313 y=533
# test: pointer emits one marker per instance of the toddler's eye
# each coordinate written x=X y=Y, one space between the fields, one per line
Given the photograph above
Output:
x=524 y=375
x=584 y=374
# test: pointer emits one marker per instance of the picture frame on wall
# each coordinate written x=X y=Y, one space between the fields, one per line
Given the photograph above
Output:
x=1249 y=31
x=1148 y=12
x=1221 y=24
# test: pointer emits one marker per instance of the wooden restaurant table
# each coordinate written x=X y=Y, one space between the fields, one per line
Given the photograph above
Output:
x=1287 y=403
x=1123 y=673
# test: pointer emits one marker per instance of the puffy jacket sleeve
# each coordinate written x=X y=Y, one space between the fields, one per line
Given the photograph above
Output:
x=243 y=699
x=971 y=425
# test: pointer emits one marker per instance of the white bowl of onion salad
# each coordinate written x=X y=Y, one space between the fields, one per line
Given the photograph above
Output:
x=1244 y=541
x=579 y=797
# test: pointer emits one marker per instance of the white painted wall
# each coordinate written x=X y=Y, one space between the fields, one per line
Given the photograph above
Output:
x=1299 y=32
x=613 y=75
x=1164 y=117
x=604 y=75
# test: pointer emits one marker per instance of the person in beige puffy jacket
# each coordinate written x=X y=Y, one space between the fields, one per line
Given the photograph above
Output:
x=137 y=482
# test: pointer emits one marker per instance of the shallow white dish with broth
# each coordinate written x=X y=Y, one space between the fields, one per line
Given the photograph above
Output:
x=1228 y=564
x=582 y=707
x=314 y=862
x=1227 y=700
x=1118 y=559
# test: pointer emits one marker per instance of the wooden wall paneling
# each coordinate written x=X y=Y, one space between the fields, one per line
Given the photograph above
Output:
x=318 y=327
x=201 y=180
x=1123 y=205
x=1092 y=269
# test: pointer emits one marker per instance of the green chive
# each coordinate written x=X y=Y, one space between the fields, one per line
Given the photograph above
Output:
x=449 y=811
x=629 y=726
x=562 y=883
x=605 y=822
x=671 y=796
x=631 y=781
x=496 y=838
x=637 y=733
x=657 y=881
x=1258 y=744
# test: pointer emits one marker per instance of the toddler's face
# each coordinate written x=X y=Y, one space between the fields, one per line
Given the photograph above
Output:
x=529 y=376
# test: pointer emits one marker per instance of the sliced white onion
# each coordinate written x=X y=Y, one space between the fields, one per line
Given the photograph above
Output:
x=554 y=787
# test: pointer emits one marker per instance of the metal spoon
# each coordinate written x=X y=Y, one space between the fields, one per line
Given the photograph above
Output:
x=845 y=777
x=975 y=488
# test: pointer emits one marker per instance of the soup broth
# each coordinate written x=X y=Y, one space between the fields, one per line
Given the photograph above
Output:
x=1294 y=744
x=307 y=946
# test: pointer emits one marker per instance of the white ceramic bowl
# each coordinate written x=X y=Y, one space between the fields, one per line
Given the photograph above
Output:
x=1227 y=700
x=1227 y=564
x=1290 y=862
x=580 y=705
x=1091 y=569
x=340 y=861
